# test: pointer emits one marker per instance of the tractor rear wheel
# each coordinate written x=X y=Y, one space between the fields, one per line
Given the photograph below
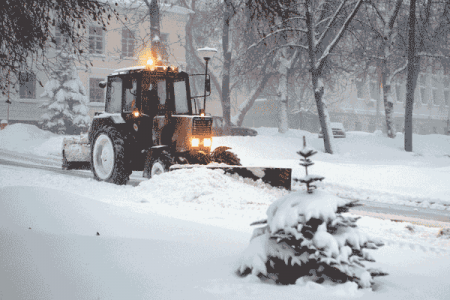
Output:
x=109 y=161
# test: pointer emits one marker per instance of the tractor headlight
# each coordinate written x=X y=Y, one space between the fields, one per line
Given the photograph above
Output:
x=207 y=142
x=195 y=142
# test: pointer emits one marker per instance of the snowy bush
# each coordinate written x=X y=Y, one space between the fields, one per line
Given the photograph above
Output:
x=306 y=236
x=67 y=110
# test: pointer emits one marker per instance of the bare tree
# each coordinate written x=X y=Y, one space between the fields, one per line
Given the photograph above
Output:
x=427 y=22
x=226 y=24
x=412 y=73
x=319 y=51
x=226 y=51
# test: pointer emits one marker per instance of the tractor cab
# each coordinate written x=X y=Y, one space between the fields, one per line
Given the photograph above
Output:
x=134 y=92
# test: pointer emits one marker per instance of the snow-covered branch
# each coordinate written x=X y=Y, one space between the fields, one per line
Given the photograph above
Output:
x=322 y=21
x=399 y=70
x=320 y=62
x=376 y=57
x=432 y=55
x=332 y=19
x=274 y=33
x=394 y=14
x=372 y=4
x=284 y=46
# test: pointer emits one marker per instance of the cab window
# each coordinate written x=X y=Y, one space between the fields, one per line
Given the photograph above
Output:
x=181 y=102
x=130 y=97
x=162 y=93
x=114 y=95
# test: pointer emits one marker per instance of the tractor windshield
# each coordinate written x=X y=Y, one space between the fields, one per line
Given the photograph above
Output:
x=181 y=100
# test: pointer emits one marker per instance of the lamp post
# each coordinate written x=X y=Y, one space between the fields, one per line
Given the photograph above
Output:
x=207 y=54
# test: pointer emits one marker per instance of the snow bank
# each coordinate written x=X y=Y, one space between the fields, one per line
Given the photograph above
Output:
x=24 y=138
x=155 y=257
x=206 y=186
x=53 y=250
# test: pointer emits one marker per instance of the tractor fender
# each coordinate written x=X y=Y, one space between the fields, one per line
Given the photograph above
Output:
x=106 y=119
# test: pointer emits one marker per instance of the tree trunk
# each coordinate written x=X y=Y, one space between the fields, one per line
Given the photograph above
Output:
x=249 y=103
x=318 y=87
x=385 y=72
x=448 y=121
x=388 y=102
x=157 y=51
x=322 y=111
x=283 y=88
x=283 y=126
x=410 y=82
x=226 y=103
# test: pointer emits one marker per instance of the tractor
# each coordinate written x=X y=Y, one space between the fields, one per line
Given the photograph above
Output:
x=151 y=123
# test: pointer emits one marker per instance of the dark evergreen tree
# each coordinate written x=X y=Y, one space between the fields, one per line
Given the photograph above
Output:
x=307 y=237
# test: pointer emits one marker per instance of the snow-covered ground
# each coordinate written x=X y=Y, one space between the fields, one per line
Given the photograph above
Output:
x=179 y=236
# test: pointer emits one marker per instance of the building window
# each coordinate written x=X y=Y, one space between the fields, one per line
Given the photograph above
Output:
x=95 y=92
x=423 y=89
x=398 y=92
x=374 y=90
x=60 y=39
x=447 y=91
x=27 y=81
x=95 y=40
x=127 y=43
x=165 y=38
x=434 y=90
x=360 y=90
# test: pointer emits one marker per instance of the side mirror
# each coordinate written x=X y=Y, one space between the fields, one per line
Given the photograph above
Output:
x=102 y=84
x=208 y=85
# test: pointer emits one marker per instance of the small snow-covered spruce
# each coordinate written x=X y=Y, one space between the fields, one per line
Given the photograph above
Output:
x=66 y=105
x=306 y=236
x=306 y=152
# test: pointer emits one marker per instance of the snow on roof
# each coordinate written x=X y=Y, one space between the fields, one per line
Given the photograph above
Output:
x=337 y=125
x=207 y=49
x=129 y=69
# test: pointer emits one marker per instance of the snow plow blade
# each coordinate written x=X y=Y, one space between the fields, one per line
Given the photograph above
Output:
x=76 y=153
x=276 y=177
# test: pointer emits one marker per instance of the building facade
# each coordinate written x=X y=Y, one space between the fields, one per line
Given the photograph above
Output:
x=360 y=107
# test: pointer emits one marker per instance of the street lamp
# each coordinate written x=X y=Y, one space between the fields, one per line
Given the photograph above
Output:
x=207 y=53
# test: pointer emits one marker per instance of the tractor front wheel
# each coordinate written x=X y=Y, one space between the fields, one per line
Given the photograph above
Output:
x=109 y=161
x=159 y=164
x=158 y=167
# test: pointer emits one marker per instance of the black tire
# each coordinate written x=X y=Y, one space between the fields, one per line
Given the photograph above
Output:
x=109 y=159
x=160 y=164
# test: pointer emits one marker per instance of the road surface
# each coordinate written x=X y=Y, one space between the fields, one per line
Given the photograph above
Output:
x=395 y=212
